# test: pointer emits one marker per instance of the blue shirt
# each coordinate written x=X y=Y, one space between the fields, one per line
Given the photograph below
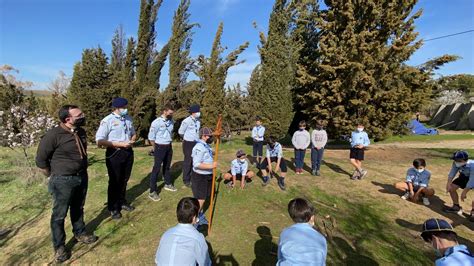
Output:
x=115 y=127
x=418 y=179
x=258 y=132
x=359 y=138
x=277 y=151
x=456 y=256
x=189 y=129
x=182 y=245
x=238 y=167
x=301 y=244
x=466 y=170
x=202 y=153
x=161 y=131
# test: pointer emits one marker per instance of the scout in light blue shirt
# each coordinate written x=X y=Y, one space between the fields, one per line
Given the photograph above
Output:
x=416 y=183
x=239 y=169
x=359 y=141
x=258 y=133
x=301 y=244
x=189 y=131
x=117 y=134
x=274 y=154
x=202 y=153
x=465 y=181
x=360 y=138
x=182 y=244
x=160 y=136
x=442 y=237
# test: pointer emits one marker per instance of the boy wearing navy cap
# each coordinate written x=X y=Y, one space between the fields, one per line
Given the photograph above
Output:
x=464 y=180
x=440 y=234
x=189 y=131
x=239 y=170
x=117 y=134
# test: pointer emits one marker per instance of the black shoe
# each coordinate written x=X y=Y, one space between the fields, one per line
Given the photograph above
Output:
x=266 y=180
x=116 y=215
x=86 y=239
x=61 y=254
x=281 y=183
x=128 y=207
x=455 y=209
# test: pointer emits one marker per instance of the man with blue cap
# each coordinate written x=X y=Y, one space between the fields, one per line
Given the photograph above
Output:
x=440 y=234
x=117 y=134
x=189 y=131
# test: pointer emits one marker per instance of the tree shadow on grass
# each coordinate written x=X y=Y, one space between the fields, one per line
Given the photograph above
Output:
x=266 y=252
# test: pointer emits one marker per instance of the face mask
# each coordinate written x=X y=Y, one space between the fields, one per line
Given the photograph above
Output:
x=210 y=140
x=79 y=122
x=319 y=127
x=459 y=164
x=123 y=112
x=272 y=146
x=420 y=170
x=197 y=115
x=301 y=129
x=242 y=160
x=169 y=117
x=360 y=129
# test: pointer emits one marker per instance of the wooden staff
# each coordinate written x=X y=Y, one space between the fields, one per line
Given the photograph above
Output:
x=217 y=133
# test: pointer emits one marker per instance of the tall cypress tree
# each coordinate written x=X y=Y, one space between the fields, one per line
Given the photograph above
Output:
x=360 y=71
x=272 y=93
x=179 y=59
x=212 y=72
x=127 y=74
x=89 y=87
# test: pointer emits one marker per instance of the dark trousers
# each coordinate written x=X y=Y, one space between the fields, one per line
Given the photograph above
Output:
x=299 y=158
x=119 y=164
x=316 y=158
x=69 y=192
x=163 y=155
x=188 y=160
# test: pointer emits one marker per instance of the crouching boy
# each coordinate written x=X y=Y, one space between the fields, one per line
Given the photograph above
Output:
x=416 y=184
x=239 y=170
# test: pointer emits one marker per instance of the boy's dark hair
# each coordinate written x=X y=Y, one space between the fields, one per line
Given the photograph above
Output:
x=257 y=118
x=419 y=162
x=302 y=123
x=271 y=140
x=452 y=236
x=187 y=209
x=64 y=112
x=320 y=123
x=300 y=210
x=167 y=107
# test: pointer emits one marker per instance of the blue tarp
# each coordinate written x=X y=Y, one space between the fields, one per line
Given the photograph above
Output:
x=418 y=128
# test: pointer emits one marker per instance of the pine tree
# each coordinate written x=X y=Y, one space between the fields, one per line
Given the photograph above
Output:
x=89 y=88
x=274 y=76
x=360 y=71
x=212 y=72
x=179 y=59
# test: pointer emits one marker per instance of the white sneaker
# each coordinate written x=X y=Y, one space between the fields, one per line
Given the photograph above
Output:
x=406 y=196
x=426 y=201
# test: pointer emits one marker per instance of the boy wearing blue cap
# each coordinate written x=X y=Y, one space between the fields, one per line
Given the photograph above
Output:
x=189 y=131
x=117 y=134
x=416 y=183
x=464 y=168
x=440 y=234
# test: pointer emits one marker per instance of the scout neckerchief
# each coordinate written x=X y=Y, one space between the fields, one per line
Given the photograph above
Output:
x=207 y=146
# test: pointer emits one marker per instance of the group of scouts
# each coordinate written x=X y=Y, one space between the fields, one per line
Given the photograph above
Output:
x=62 y=156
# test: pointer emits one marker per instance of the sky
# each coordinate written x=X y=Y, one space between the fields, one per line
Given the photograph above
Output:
x=42 y=37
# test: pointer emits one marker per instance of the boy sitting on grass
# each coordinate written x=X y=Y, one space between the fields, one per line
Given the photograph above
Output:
x=416 y=183
x=239 y=170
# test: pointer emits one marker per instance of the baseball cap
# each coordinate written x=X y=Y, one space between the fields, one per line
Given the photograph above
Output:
x=435 y=225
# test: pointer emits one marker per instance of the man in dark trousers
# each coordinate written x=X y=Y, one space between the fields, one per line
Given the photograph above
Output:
x=189 y=131
x=62 y=155
x=117 y=134
x=161 y=137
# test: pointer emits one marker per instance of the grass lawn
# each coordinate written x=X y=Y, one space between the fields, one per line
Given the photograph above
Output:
x=367 y=222
x=433 y=138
